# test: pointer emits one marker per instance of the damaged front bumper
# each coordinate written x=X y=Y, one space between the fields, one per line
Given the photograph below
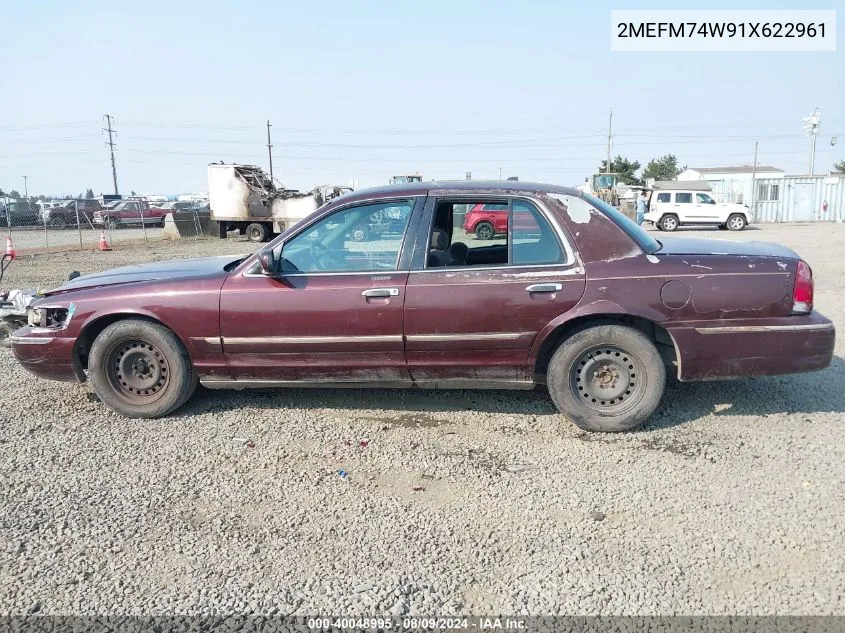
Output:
x=47 y=354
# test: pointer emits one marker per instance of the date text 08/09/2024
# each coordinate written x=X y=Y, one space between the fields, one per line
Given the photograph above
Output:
x=418 y=623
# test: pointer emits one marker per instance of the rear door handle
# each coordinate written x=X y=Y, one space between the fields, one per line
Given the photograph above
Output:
x=555 y=287
x=381 y=292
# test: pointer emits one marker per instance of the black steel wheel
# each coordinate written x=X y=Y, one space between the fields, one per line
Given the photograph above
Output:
x=257 y=232
x=484 y=231
x=607 y=378
x=140 y=369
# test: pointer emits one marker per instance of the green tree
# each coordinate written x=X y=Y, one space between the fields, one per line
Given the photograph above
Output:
x=840 y=166
x=14 y=194
x=626 y=169
x=89 y=193
x=663 y=168
x=132 y=193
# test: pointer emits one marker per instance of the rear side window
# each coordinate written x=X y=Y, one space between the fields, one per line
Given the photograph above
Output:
x=683 y=198
x=533 y=240
x=664 y=197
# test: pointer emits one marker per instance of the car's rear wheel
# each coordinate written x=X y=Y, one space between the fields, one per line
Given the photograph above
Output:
x=484 y=231
x=257 y=232
x=736 y=222
x=57 y=222
x=111 y=223
x=141 y=369
x=669 y=222
x=607 y=378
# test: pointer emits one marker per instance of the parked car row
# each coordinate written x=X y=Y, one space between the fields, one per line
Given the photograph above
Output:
x=90 y=212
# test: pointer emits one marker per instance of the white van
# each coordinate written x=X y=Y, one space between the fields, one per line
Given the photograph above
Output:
x=670 y=209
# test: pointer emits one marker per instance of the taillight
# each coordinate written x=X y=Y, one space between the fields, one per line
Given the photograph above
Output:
x=802 y=291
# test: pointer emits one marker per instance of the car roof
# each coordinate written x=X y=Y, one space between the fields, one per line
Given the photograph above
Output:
x=468 y=187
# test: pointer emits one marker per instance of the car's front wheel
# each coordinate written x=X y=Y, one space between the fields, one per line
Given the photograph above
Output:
x=607 y=378
x=736 y=222
x=141 y=369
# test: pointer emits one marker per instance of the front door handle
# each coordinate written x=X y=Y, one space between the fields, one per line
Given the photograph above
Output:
x=381 y=292
x=555 y=287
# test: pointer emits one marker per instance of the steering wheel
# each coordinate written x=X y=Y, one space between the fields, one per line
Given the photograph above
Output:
x=320 y=256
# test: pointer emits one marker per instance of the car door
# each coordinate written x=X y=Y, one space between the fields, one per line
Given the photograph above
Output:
x=683 y=206
x=705 y=208
x=473 y=321
x=333 y=313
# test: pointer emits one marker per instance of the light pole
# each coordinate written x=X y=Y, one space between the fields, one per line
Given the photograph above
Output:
x=833 y=141
x=811 y=126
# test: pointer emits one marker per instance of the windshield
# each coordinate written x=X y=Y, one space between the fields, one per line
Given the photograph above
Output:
x=634 y=231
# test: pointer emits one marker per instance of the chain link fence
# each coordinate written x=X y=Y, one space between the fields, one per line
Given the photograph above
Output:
x=37 y=226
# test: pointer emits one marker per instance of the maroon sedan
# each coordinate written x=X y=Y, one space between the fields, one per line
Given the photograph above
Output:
x=584 y=302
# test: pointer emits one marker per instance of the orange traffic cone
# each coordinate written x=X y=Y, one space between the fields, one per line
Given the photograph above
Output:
x=10 y=248
x=104 y=245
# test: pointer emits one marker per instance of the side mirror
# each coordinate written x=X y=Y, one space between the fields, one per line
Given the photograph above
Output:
x=267 y=261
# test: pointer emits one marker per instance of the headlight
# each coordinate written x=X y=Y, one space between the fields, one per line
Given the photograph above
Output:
x=56 y=318
x=35 y=317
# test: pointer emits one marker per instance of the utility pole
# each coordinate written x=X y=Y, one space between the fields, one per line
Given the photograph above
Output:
x=111 y=149
x=811 y=126
x=270 y=149
x=754 y=185
x=609 y=140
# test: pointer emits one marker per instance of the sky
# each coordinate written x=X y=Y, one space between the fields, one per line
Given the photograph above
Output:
x=361 y=91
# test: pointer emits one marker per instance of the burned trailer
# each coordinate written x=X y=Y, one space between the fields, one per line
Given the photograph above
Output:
x=244 y=198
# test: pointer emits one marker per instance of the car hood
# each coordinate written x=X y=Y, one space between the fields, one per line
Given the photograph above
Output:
x=173 y=269
x=703 y=246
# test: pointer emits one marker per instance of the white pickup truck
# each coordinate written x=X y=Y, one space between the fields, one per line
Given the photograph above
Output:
x=670 y=209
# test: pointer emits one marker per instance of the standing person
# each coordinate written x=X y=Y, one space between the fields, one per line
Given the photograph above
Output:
x=641 y=204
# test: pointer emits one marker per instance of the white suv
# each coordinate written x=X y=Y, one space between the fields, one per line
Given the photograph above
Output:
x=670 y=209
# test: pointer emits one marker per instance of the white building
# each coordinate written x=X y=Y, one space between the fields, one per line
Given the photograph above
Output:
x=733 y=184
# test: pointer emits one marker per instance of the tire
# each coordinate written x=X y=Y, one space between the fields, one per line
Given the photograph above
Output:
x=484 y=231
x=140 y=369
x=57 y=222
x=111 y=223
x=6 y=330
x=359 y=235
x=736 y=222
x=623 y=365
x=669 y=222
x=257 y=232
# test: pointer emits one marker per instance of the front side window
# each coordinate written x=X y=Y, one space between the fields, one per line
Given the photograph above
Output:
x=364 y=238
x=664 y=197
x=683 y=198
x=703 y=198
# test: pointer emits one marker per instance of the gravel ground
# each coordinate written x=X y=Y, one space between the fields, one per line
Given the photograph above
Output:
x=730 y=502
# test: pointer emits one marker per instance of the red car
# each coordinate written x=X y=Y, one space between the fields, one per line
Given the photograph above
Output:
x=586 y=302
x=489 y=219
x=129 y=213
